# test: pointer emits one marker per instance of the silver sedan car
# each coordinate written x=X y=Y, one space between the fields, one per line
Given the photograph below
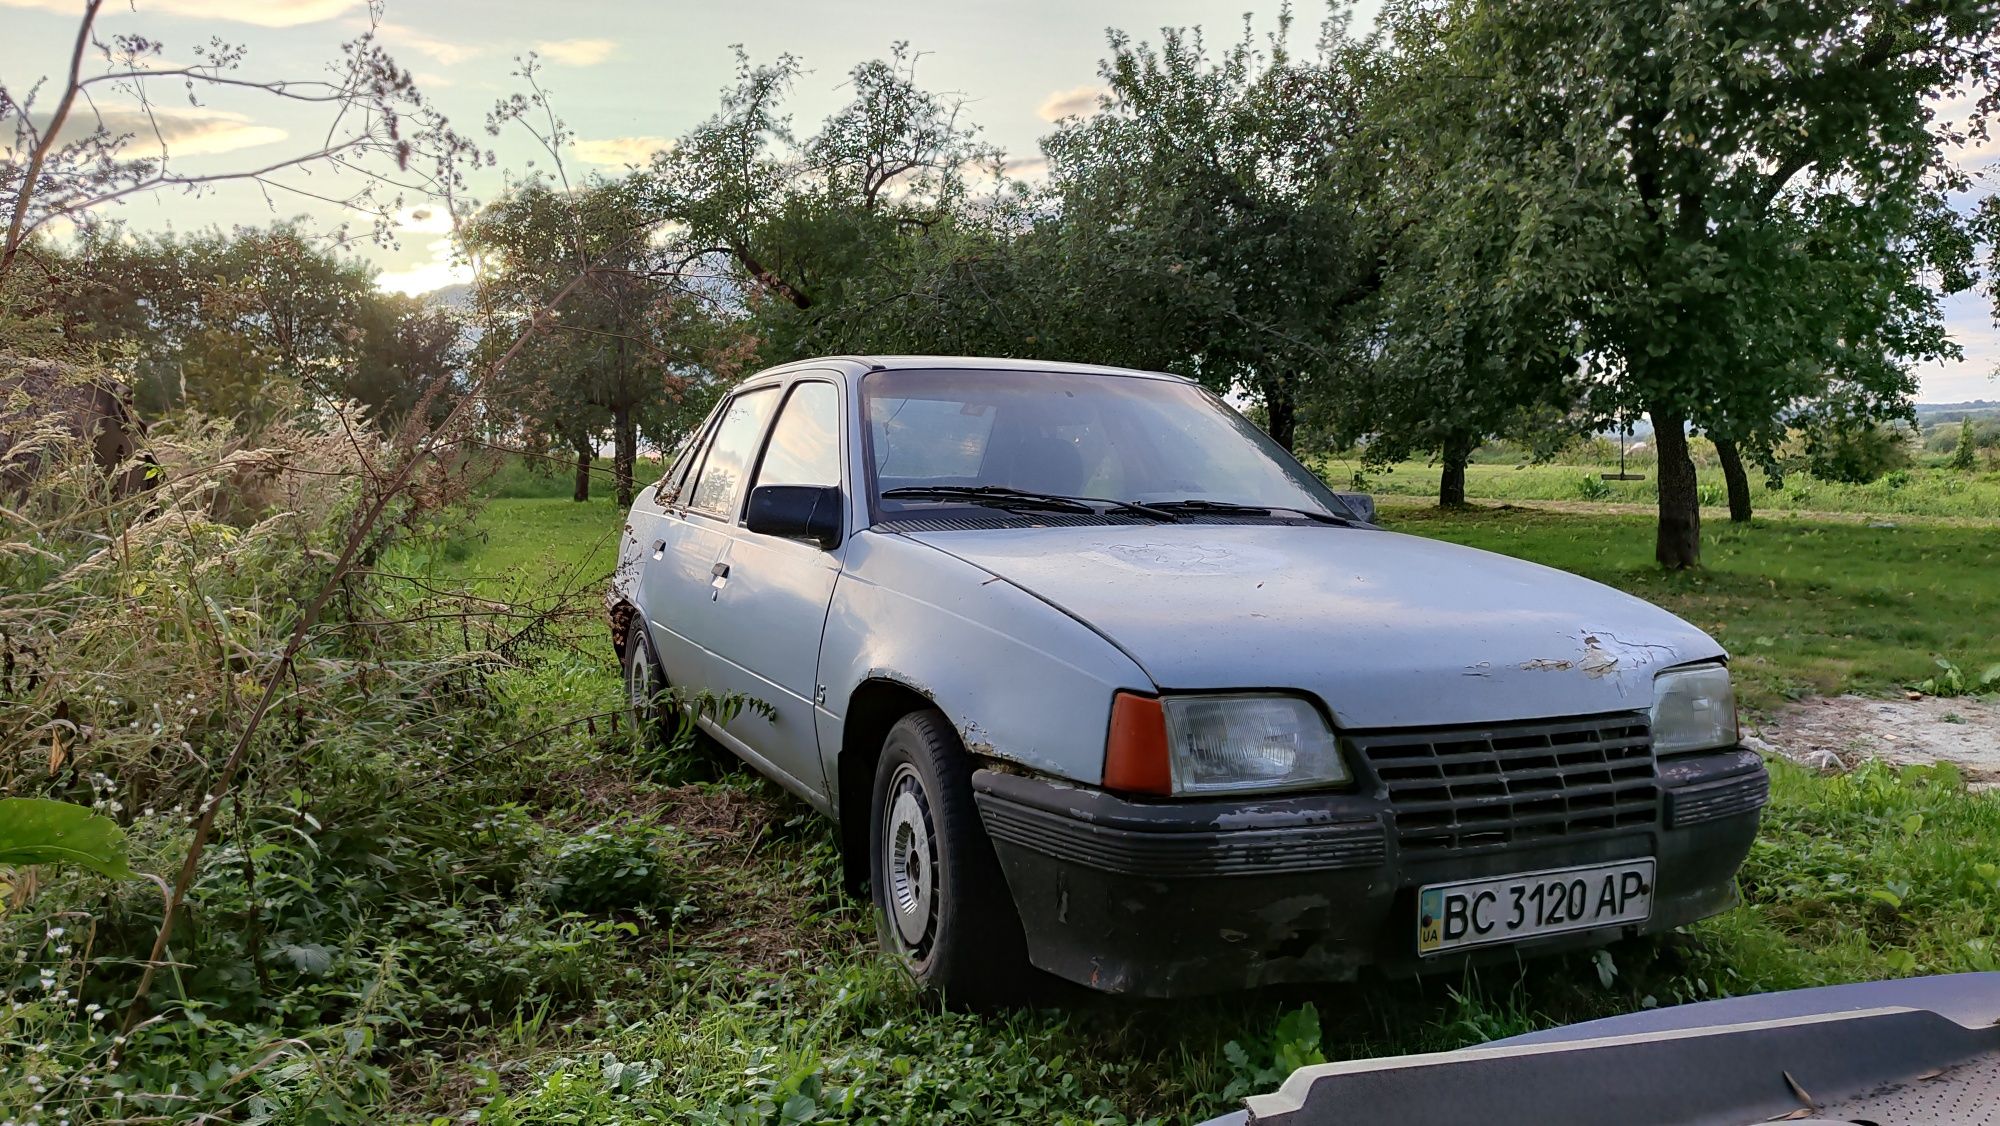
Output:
x=1096 y=678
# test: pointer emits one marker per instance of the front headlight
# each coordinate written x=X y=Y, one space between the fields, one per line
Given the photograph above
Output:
x=1694 y=709
x=1232 y=744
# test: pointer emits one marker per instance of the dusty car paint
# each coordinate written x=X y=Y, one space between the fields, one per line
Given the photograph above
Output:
x=1382 y=627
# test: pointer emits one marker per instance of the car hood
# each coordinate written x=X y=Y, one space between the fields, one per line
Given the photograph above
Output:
x=1388 y=630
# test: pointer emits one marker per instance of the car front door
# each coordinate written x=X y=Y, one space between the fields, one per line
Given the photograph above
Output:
x=772 y=594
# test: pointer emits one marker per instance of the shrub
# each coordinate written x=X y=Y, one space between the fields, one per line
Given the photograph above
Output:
x=610 y=868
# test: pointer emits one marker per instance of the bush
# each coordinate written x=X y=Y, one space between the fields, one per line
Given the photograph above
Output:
x=1856 y=453
x=610 y=868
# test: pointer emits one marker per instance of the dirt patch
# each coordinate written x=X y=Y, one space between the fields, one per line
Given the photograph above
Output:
x=1841 y=731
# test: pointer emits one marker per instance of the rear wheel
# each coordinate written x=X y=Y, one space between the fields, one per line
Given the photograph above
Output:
x=942 y=905
x=645 y=690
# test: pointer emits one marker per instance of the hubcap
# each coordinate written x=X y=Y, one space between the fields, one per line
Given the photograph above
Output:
x=639 y=690
x=912 y=860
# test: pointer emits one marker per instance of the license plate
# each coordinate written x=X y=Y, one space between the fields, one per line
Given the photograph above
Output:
x=1510 y=908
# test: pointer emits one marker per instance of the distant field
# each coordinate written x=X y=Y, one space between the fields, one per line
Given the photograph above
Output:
x=1909 y=492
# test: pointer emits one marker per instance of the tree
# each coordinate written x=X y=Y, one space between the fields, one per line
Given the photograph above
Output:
x=103 y=141
x=1743 y=204
x=1233 y=210
x=1468 y=337
x=1965 y=456
x=631 y=339
x=791 y=225
x=248 y=324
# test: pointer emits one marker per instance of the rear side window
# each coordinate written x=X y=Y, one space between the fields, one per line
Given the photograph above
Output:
x=685 y=456
x=805 y=442
x=720 y=486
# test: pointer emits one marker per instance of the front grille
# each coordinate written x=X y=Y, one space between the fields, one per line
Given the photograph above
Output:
x=1492 y=787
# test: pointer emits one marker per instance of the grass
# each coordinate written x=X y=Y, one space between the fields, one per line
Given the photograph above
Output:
x=1917 y=491
x=767 y=1003
x=1804 y=607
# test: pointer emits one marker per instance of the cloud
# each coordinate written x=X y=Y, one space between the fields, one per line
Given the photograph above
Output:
x=621 y=150
x=444 y=51
x=263 y=13
x=423 y=220
x=1028 y=168
x=1071 y=103
x=442 y=270
x=577 y=52
x=186 y=132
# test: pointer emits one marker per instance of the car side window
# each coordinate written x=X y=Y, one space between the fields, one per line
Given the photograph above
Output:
x=805 y=441
x=686 y=455
x=720 y=487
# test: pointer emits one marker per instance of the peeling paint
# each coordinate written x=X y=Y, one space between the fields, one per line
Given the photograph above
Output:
x=1547 y=664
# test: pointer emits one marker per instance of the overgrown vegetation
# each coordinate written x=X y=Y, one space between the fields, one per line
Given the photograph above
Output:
x=347 y=699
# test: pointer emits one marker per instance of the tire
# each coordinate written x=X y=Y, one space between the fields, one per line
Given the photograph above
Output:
x=942 y=907
x=645 y=705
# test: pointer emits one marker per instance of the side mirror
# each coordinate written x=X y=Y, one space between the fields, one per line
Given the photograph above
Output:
x=796 y=512
x=1361 y=504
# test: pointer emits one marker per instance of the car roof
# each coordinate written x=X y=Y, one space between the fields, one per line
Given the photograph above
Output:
x=861 y=365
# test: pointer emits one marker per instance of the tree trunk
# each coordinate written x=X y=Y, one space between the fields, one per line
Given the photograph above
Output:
x=582 y=491
x=1451 y=486
x=1281 y=412
x=1739 y=482
x=1678 y=545
x=624 y=452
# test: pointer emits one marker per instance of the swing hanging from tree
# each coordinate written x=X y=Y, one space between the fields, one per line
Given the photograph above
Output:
x=1624 y=431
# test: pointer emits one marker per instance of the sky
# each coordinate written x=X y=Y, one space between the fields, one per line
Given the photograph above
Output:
x=628 y=76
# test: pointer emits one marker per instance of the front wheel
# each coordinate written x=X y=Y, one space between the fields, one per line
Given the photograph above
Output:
x=941 y=903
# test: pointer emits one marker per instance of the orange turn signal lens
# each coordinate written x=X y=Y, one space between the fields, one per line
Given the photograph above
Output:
x=1135 y=752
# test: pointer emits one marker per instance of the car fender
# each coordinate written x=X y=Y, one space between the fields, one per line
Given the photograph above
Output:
x=1020 y=680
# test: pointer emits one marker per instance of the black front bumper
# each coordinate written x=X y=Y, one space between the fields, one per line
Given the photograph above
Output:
x=1174 y=898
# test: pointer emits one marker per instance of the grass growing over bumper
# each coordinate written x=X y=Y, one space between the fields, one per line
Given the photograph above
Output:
x=768 y=1004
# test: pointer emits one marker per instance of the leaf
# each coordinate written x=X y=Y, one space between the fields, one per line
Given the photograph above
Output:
x=1799 y=1092
x=40 y=831
x=1991 y=676
x=1883 y=895
x=308 y=957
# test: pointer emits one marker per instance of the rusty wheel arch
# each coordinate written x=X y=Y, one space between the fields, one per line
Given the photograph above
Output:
x=873 y=708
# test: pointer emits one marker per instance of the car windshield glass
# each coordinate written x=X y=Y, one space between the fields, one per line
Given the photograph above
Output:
x=1121 y=438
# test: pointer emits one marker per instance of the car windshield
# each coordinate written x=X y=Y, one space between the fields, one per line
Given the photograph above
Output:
x=1105 y=439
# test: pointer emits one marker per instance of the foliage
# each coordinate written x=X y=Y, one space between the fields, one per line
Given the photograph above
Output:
x=1965 y=455
x=1855 y=452
x=1951 y=680
x=40 y=831
x=251 y=325
x=795 y=224
x=608 y=868
x=1774 y=199
x=635 y=350
x=1238 y=207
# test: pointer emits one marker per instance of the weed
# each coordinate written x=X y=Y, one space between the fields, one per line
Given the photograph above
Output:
x=1953 y=681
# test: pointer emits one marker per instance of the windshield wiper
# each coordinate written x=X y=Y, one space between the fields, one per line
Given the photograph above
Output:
x=1225 y=507
x=1001 y=496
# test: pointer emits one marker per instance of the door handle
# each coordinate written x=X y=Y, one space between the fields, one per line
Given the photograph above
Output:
x=720 y=579
x=720 y=570
x=659 y=549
